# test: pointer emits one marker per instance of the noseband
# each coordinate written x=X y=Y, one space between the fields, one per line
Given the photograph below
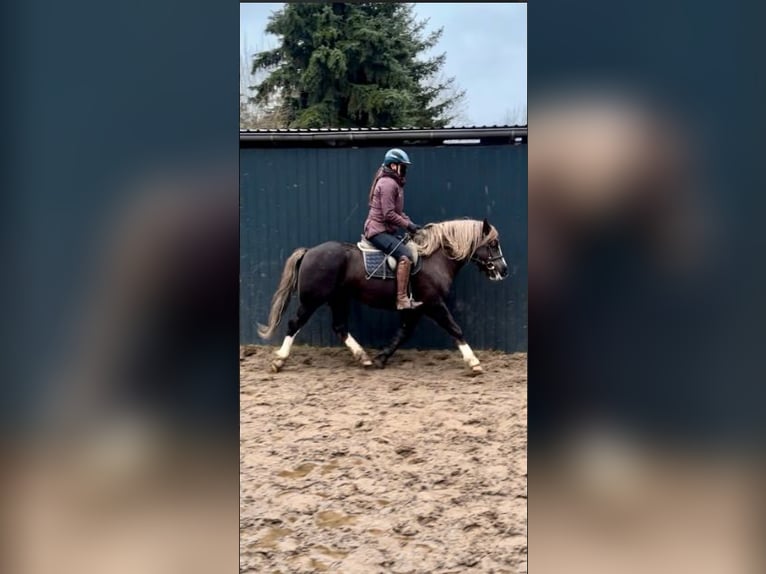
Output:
x=488 y=263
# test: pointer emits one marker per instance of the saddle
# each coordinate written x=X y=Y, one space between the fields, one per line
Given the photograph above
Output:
x=374 y=266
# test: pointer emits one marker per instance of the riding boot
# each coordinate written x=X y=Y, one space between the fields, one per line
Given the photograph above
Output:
x=403 y=300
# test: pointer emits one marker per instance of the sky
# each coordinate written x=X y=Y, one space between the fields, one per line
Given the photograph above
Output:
x=486 y=47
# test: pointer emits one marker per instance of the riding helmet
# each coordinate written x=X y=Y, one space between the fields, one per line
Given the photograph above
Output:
x=396 y=155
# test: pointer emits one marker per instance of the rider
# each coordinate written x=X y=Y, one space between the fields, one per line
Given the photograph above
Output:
x=386 y=217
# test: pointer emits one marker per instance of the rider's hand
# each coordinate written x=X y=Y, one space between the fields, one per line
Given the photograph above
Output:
x=414 y=228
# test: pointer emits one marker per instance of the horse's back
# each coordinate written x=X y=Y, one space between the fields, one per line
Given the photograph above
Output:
x=328 y=266
x=325 y=259
x=328 y=249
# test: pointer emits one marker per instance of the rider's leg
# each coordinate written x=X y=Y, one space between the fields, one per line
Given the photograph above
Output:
x=403 y=300
x=392 y=245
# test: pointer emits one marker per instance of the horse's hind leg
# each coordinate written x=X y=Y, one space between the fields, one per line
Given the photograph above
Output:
x=409 y=320
x=295 y=324
x=340 y=307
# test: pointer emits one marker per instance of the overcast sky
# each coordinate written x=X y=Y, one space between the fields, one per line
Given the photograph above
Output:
x=486 y=46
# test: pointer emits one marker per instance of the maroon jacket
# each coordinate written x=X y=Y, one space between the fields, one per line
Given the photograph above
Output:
x=386 y=205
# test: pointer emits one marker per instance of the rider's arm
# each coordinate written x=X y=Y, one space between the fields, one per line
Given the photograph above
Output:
x=388 y=190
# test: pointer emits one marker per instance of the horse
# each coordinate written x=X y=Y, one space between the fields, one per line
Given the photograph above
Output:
x=333 y=273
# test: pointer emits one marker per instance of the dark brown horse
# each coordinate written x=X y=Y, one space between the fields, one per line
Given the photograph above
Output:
x=333 y=273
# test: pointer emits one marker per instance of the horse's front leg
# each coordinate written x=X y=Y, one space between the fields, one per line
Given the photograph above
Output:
x=441 y=314
x=409 y=319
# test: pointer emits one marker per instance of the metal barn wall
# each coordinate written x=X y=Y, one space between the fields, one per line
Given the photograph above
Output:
x=299 y=196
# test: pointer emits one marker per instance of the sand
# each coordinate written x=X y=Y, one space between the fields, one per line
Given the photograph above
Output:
x=419 y=467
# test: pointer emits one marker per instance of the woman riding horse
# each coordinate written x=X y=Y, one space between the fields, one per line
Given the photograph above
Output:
x=386 y=218
x=333 y=273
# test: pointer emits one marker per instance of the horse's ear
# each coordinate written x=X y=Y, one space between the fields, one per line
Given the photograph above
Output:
x=486 y=227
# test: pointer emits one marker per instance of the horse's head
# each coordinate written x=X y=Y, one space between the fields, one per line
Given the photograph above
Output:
x=489 y=255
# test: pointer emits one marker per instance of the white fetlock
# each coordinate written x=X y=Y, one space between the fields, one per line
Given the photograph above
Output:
x=284 y=350
x=468 y=355
x=357 y=351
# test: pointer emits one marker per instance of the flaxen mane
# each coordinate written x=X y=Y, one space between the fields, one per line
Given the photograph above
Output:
x=459 y=238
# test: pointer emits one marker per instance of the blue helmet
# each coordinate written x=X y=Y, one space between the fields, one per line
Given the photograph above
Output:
x=396 y=155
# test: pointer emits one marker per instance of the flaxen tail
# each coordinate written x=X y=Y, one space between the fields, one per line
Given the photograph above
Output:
x=281 y=299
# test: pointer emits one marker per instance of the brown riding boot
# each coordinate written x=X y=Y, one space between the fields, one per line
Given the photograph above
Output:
x=402 y=282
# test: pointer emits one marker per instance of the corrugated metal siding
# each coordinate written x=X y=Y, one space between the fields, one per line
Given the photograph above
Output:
x=301 y=197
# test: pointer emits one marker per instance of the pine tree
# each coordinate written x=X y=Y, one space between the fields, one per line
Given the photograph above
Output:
x=355 y=65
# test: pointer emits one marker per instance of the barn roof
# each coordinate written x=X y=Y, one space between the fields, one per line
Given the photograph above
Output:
x=371 y=136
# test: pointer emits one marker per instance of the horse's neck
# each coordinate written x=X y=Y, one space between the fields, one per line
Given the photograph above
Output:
x=453 y=266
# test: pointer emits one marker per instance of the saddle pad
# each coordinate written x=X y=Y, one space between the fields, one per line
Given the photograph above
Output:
x=376 y=267
x=365 y=245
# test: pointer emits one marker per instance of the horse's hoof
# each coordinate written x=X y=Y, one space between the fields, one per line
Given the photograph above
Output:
x=379 y=363
x=476 y=370
x=276 y=365
x=364 y=360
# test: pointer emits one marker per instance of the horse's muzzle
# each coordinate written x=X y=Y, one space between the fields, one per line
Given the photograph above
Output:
x=498 y=272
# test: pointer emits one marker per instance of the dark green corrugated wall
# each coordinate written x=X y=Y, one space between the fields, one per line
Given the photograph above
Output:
x=293 y=197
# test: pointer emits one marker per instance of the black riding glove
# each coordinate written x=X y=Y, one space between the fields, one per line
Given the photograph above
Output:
x=413 y=228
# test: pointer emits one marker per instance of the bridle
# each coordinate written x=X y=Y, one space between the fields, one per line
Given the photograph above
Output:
x=488 y=263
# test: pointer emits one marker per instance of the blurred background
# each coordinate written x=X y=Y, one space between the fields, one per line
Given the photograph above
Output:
x=120 y=396
x=646 y=402
x=119 y=405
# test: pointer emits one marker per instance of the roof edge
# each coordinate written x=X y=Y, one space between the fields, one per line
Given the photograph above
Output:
x=350 y=134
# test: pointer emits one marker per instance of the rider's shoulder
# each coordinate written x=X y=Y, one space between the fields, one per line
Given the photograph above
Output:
x=387 y=183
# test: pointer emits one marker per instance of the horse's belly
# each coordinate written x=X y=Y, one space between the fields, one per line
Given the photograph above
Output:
x=378 y=293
